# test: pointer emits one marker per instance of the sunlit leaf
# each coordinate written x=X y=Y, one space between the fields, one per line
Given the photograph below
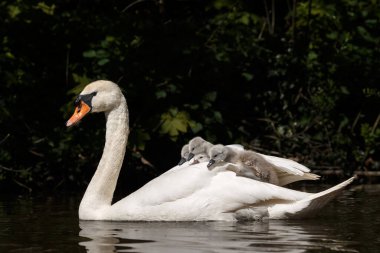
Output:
x=49 y=10
x=13 y=11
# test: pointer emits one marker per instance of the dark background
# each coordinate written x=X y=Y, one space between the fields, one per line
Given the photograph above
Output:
x=297 y=79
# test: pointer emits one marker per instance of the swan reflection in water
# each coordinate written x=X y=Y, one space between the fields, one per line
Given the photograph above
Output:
x=259 y=236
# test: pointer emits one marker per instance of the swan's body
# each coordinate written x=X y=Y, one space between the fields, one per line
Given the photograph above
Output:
x=182 y=193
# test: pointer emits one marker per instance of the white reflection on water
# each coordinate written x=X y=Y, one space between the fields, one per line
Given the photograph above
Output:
x=264 y=236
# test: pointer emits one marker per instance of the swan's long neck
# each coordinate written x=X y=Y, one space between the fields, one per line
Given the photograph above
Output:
x=100 y=191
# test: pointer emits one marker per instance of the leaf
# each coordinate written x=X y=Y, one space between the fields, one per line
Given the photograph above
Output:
x=365 y=34
x=49 y=10
x=13 y=11
x=101 y=53
x=102 y=62
x=210 y=96
x=141 y=138
x=218 y=117
x=312 y=56
x=333 y=35
x=245 y=19
x=247 y=76
x=160 y=94
x=344 y=90
x=89 y=54
x=174 y=122
x=195 y=126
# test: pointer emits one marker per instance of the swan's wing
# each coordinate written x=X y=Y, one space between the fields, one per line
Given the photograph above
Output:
x=184 y=165
x=233 y=192
x=195 y=193
x=289 y=171
x=220 y=198
x=176 y=183
x=285 y=178
x=287 y=165
x=309 y=205
x=303 y=208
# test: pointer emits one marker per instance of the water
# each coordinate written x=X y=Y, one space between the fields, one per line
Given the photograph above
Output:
x=351 y=223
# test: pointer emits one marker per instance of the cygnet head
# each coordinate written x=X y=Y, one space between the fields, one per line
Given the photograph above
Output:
x=197 y=146
x=184 y=154
x=98 y=96
x=201 y=158
x=218 y=153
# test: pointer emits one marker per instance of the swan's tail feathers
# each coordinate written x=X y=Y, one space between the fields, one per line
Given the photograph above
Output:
x=308 y=206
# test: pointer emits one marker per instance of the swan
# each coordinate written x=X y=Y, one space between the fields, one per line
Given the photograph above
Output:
x=198 y=146
x=249 y=164
x=288 y=170
x=200 y=158
x=184 y=154
x=185 y=193
x=279 y=171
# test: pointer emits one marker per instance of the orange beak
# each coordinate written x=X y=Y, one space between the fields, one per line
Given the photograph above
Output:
x=80 y=111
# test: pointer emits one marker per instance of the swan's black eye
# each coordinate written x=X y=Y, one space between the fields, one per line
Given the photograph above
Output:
x=87 y=98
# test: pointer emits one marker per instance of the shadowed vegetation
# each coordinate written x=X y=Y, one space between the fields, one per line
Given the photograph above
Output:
x=297 y=79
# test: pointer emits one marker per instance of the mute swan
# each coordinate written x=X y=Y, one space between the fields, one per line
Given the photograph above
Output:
x=275 y=170
x=200 y=158
x=184 y=193
x=249 y=164
x=288 y=170
x=184 y=154
x=197 y=146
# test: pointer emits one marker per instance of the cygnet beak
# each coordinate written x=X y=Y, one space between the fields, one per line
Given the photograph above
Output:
x=182 y=161
x=211 y=162
x=191 y=155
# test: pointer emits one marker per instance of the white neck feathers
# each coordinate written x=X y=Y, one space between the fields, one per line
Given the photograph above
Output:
x=100 y=191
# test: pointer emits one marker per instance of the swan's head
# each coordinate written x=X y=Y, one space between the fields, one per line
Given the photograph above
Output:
x=184 y=154
x=98 y=96
x=200 y=158
x=218 y=153
x=197 y=146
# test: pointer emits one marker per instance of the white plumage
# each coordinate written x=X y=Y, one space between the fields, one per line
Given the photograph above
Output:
x=184 y=193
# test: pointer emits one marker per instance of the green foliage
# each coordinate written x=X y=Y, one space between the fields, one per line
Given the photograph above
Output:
x=174 y=123
x=299 y=83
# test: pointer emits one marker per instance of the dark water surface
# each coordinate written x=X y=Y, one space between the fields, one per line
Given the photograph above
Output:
x=351 y=223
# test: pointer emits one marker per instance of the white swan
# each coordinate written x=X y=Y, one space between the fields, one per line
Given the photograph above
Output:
x=185 y=193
